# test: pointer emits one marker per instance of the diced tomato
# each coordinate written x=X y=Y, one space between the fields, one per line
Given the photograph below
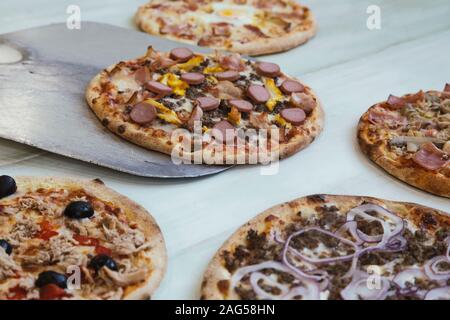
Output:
x=47 y=230
x=51 y=292
x=102 y=250
x=85 y=241
x=18 y=293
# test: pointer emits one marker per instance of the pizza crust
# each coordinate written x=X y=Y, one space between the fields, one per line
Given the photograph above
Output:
x=134 y=211
x=286 y=213
x=408 y=171
x=159 y=140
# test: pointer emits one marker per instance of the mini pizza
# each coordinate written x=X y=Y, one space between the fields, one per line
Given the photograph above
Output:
x=251 y=27
x=335 y=247
x=409 y=137
x=75 y=239
x=229 y=105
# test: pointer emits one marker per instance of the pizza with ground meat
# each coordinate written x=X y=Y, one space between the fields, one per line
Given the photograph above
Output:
x=335 y=247
x=214 y=109
x=252 y=27
x=409 y=137
x=64 y=238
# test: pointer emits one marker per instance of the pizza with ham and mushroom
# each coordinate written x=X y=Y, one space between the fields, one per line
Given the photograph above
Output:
x=64 y=238
x=251 y=27
x=169 y=101
x=409 y=137
x=335 y=247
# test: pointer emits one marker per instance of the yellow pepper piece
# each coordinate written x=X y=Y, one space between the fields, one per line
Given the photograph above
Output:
x=213 y=69
x=164 y=113
x=234 y=116
x=178 y=86
x=190 y=64
x=279 y=119
x=275 y=94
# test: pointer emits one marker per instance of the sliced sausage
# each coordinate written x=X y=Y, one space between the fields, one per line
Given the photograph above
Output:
x=296 y=116
x=143 y=113
x=258 y=93
x=268 y=69
x=223 y=131
x=230 y=75
x=193 y=78
x=290 y=86
x=241 y=105
x=208 y=103
x=157 y=87
x=181 y=54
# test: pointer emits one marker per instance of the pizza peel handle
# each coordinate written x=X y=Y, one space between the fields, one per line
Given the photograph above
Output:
x=44 y=72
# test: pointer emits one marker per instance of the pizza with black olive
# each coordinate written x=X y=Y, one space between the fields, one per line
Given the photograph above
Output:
x=335 y=247
x=409 y=137
x=252 y=27
x=64 y=238
x=214 y=109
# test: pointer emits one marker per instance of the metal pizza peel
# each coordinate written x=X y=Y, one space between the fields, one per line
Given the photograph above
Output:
x=43 y=75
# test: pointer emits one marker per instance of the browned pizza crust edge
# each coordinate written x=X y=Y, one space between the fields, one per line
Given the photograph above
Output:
x=159 y=141
x=216 y=271
x=264 y=46
x=139 y=214
x=410 y=173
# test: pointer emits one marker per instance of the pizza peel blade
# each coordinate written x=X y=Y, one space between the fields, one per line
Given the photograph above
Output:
x=42 y=103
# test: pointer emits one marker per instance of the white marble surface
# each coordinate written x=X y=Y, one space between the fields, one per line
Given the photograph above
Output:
x=349 y=66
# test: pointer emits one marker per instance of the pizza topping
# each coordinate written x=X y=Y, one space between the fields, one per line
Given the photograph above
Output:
x=193 y=78
x=6 y=246
x=101 y=261
x=226 y=90
x=359 y=289
x=304 y=101
x=241 y=105
x=386 y=118
x=438 y=268
x=159 y=88
x=223 y=131
x=232 y=62
x=430 y=157
x=442 y=293
x=142 y=75
x=52 y=292
x=268 y=69
x=258 y=93
x=208 y=103
x=447 y=87
x=296 y=116
x=196 y=115
x=125 y=279
x=143 y=113
x=290 y=86
x=51 y=277
x=7 y=186
x=396 y=102
x=79 y=210
x=230 y=75
x=181 y=54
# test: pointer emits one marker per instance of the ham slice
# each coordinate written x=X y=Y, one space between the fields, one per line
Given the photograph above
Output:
x=430 y=157
x=231 y=62
x=378 y=117
x=397 y=102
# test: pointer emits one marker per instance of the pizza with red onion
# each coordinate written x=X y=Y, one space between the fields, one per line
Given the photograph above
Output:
x=335 y=247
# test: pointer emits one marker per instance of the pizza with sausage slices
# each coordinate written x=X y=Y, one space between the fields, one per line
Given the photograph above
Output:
x=214 y=109
x=409 y=137
x=64 y=238
x=326 y=247
x=252 y=27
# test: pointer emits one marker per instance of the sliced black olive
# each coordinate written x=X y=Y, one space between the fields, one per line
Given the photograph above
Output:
x=6 y=246
x=79 y=210
x=51 y=277
x=7 y=186
x=103 y=260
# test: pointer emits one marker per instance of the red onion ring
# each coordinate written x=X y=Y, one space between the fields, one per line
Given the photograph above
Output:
x=431 y=269
x=358 y=289
x=442 y=293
